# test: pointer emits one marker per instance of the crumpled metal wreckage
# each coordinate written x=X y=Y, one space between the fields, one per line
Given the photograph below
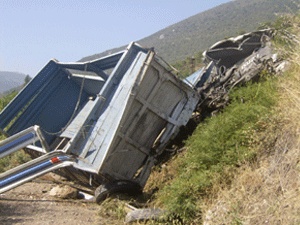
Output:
x=232 y=62
x=103 y=123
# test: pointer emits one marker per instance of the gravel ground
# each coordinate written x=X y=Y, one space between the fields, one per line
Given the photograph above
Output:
x=31 y=203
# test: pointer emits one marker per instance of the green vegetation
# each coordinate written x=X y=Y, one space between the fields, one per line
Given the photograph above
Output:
x=17 y=158
x=217 y=147
x=13 y=160
x=265 y=190
x=6 y=99
x=3 y=102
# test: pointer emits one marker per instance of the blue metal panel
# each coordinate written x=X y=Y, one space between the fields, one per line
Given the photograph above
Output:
x=37 y=96
x=198 y=78
x=97 y=65
x=107 y=62
x=33 y=87
x=41 y=90
x=53 y=108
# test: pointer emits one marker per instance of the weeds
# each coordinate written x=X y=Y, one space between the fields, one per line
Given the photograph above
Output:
x=218 y=146
x=13 y=160
x=17 y=158
x=265 y=191
x=5 y=100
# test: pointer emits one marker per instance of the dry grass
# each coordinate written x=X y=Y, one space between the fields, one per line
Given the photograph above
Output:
x=161 y=175
x=267 y=191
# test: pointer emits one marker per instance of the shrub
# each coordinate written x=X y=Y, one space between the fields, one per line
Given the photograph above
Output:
x=217 y=147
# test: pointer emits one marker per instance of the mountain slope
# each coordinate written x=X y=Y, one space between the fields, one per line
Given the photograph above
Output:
x=198 y=32
x=10 y=80
x=266 y=191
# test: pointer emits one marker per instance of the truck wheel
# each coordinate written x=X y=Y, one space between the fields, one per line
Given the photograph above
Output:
x=105 y=190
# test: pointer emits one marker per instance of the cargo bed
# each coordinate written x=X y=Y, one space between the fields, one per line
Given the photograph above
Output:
x=112 y=117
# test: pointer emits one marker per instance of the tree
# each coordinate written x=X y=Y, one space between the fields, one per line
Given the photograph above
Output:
x=27 y=79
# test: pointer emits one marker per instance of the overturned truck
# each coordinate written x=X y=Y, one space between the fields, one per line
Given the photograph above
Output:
x=100 y=122
x=104 y=122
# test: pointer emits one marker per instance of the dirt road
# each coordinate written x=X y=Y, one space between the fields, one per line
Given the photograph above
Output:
x=31 y=204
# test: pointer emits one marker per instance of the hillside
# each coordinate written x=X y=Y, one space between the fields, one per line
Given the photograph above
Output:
x=195 y=34
x=241 y=166
x=266 y=190
x=10 y=80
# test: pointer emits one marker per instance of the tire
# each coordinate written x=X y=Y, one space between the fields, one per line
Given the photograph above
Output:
x=108 y=189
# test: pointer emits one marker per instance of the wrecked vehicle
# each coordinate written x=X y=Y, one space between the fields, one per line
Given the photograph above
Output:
x=103 y=123
x=232 y=62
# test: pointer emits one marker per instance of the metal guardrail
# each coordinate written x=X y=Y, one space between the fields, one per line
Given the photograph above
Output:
x=21 y=140
x=34 y=168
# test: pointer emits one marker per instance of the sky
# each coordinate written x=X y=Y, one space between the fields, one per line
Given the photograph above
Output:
x=34 y=31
